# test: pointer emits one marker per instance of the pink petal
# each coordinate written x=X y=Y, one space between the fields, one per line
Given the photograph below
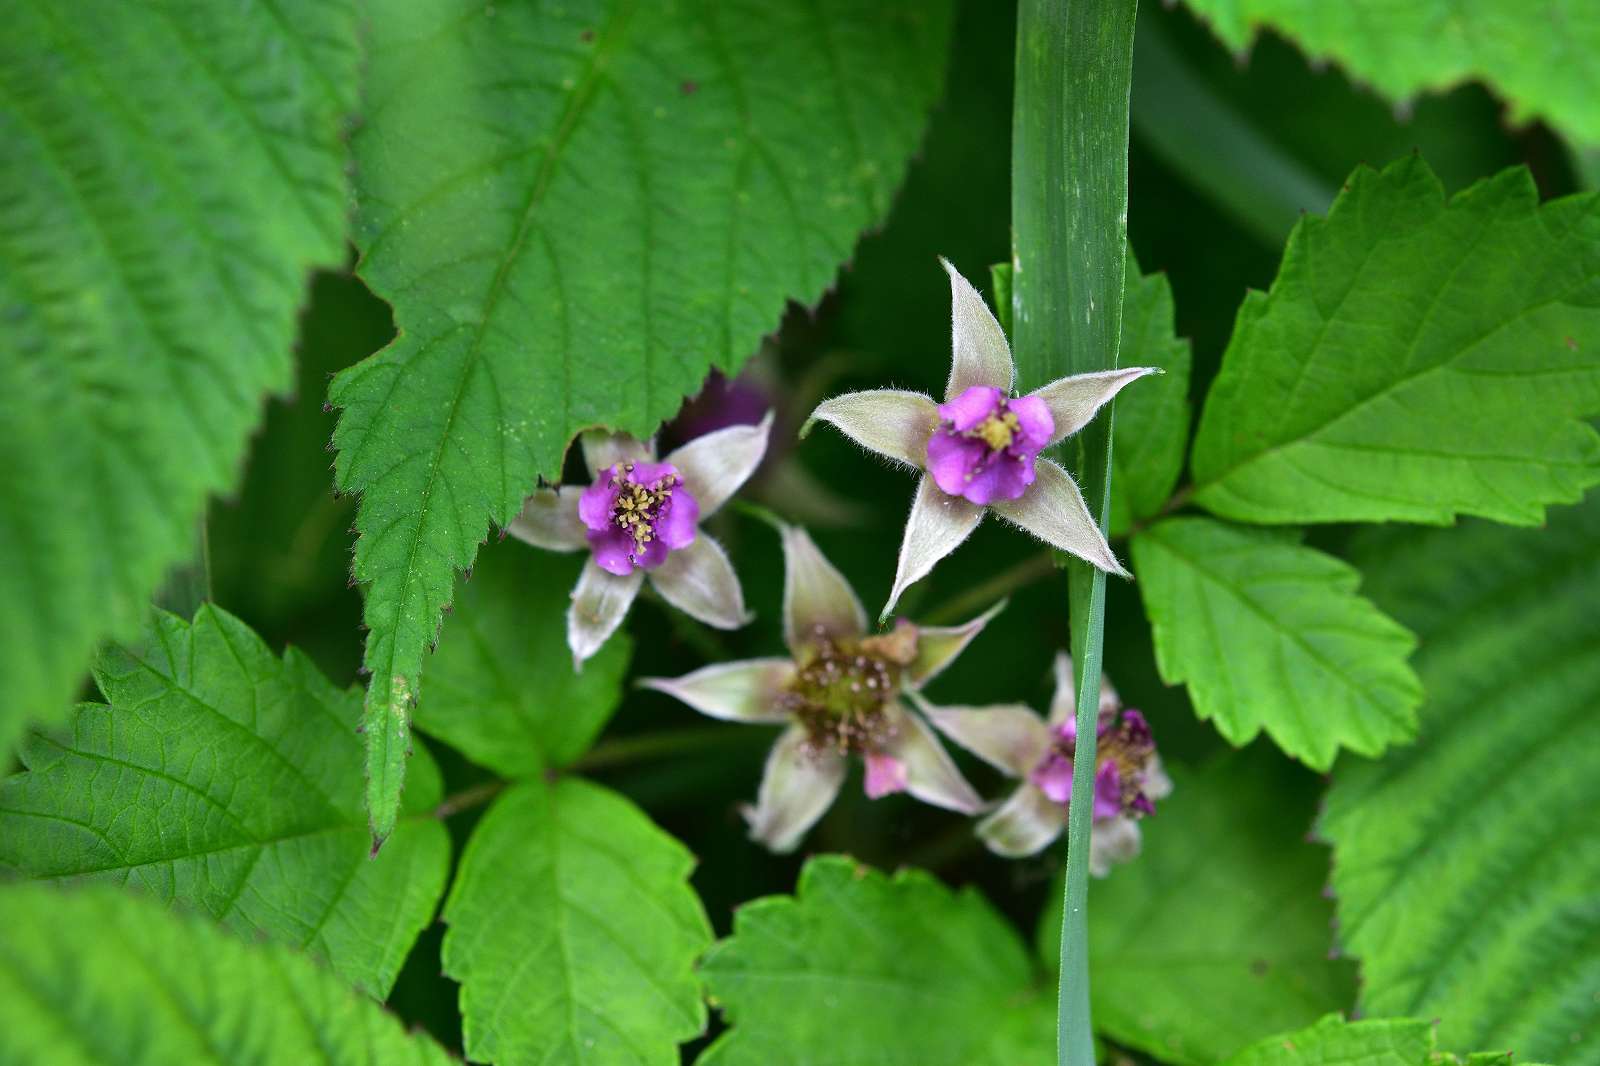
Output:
x=595 y=505
x=971 y=407
x=885 y=775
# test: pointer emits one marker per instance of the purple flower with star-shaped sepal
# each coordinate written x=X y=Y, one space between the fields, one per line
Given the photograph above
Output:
x=840 y=693
x=642 y=516
x=1127 y=782
x=979 y=450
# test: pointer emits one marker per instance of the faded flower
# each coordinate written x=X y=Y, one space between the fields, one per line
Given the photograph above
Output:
x=840 y=693
x=1128 y=776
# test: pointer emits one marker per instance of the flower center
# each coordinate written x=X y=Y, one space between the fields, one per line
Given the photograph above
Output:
x=998 y=430
x=841 y=689
x=639 y=505
x=1122 y=758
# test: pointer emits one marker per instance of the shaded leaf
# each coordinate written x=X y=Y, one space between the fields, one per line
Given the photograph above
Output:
x=1220 y=932
x=860 y=968
x=1526 y=51
x=223 y=778
x=501 y=688
x=1465 y=867
x=96 y=976
x=737 y=150
x=1270 y=634
x=172 y=170
x=574 y=932
x=1152 y=427
x=1415 y=359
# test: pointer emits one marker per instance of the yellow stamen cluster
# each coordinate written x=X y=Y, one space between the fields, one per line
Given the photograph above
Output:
x=637 y=505
x=997 y=431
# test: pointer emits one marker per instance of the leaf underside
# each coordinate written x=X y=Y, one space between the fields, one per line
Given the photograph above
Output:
x=860 y=968
x=172 y=170
x=1271 y=634
x=1534 y=52
x=219 y=777
x=575 y=214
x=574 y=932
x=93 y=975
x=1219 y=933
x=1415 y=360
x=1465 y=867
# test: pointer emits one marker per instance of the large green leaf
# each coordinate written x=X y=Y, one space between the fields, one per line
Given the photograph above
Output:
x=1219 y=934
x=1152 y=428
x=576 y=212
x=1270 y=634
x=1414 y=360
x=501 y=689
x=860 y=968
x=1466 y=867
x=171 y=171
x=93 y=976
x=574 y=932
x=221 y=777
x=1537 y=53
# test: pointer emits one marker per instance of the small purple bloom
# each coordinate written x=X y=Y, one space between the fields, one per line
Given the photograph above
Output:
x=984 y=447
x=1124 y=754
x=635 y=514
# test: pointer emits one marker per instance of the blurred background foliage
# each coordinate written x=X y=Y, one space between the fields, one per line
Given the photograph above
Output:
x=1227 y=150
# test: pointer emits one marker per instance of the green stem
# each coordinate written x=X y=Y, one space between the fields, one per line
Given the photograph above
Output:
x=661 y=744
x=1069 y=204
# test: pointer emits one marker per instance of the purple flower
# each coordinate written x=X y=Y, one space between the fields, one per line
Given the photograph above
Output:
x=636 y=513
x=984 y=446
x=1128 y=776
x=840 y=694
x=640 y=515
x=979 y=449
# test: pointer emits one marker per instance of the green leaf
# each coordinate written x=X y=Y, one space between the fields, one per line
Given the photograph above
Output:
x=1152 y=429
x=501 y=689
x=1465 y=867
x=574 y=932
x=171 y=170
x=1219 y=934
x=1527 y=51
x=1270 y=634
x=1332 y=1041
x=860 y=968
x=96 y=976
x=1414 y=360
x=576 y=214
x=223 y=778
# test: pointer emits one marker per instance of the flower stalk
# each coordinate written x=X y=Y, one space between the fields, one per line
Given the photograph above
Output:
x=1069 y=200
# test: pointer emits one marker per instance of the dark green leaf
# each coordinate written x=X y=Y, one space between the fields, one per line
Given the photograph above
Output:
x=1465 y=867
x=1220 y=932
x=576 y=213
x=1270 y=634
x=1415 y=360
x=501 y=689
x=172 y=170
x=221 y=777
x=574 y=932
x=94 y=976
x=859 y=968
x=1152 y=428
